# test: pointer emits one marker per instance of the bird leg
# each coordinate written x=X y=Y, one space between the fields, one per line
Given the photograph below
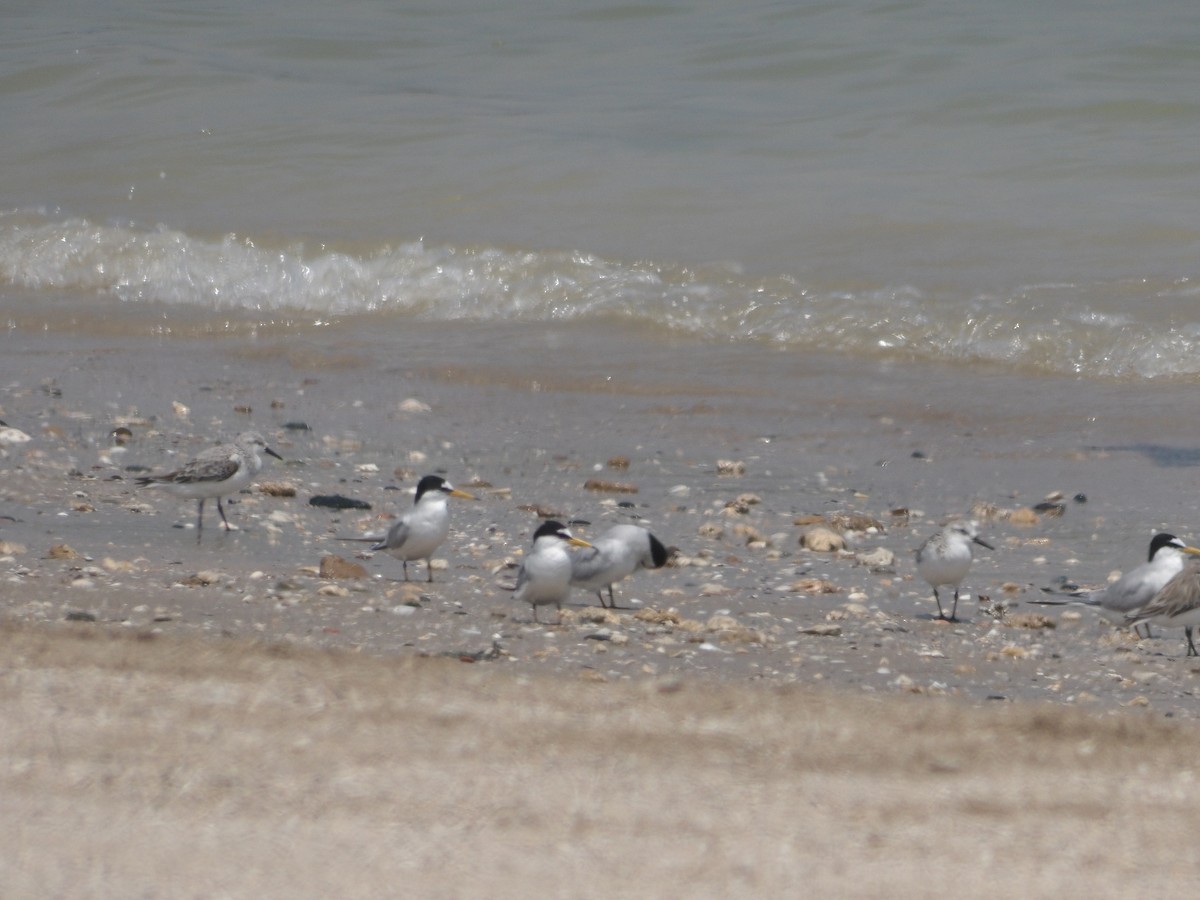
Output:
x=221 y=510
x=612 y=600
x=938 y=600
x=954 y=609
x=1191 y=650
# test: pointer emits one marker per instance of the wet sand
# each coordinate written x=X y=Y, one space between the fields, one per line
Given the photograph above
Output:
x=768 y=713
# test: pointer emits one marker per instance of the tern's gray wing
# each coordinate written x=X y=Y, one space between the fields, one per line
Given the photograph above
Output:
x=522 y=580
x=587 y=563
x=1131 y=592
x=396 y=537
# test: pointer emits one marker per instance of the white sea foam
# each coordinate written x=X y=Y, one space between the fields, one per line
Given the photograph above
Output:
x=1134 y=328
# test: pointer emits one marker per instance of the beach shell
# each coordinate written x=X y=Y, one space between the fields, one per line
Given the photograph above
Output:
x=611 y=487
x=822 y=540
x=10 y=435
x=335 y=567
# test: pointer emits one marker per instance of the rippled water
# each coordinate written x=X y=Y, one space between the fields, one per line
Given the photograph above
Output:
x=1007 y=184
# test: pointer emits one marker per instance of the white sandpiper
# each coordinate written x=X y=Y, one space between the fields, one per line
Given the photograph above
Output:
x=616 y=554
x=216 y=472
x=945 y=558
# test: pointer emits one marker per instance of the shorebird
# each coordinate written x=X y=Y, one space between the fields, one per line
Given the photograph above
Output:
x=545 y=575
x=945 y=558
x=616 y=554
x=216 y=472
x=1120 y=600
x=419 y=532
x=1176 y=605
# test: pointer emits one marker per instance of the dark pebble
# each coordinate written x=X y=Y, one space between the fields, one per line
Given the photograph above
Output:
x=337 y=501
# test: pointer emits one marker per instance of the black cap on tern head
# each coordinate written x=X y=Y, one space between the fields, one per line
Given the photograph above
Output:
x=551 y=528
x=1163 y=540
x=429 y=483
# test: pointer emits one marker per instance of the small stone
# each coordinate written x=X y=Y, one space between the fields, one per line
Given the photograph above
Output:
x=1051 y=509
x=854 y=522
x=9 y=435
x=600 y=485
x=822 y=629
x=747 y=533
x=813 y=586
x=62 y=551
x=337 y=501
x=730 y=467
x=983 y=510
x=413 y=405
x=542 y=511
x=1024 y=516
x=657 y=616
x=804 y=521
x=1029 y=620
x=201 y=579
x=619 y=462
x=879 y=558
x=277 y=489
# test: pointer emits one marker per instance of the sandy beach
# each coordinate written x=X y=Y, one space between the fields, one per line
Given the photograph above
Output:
x=215 y=713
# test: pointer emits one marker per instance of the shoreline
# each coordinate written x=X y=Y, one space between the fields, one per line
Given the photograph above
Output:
x=365 y=415
x=755 y=727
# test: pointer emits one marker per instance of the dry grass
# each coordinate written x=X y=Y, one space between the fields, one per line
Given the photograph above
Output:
x=160 y=768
